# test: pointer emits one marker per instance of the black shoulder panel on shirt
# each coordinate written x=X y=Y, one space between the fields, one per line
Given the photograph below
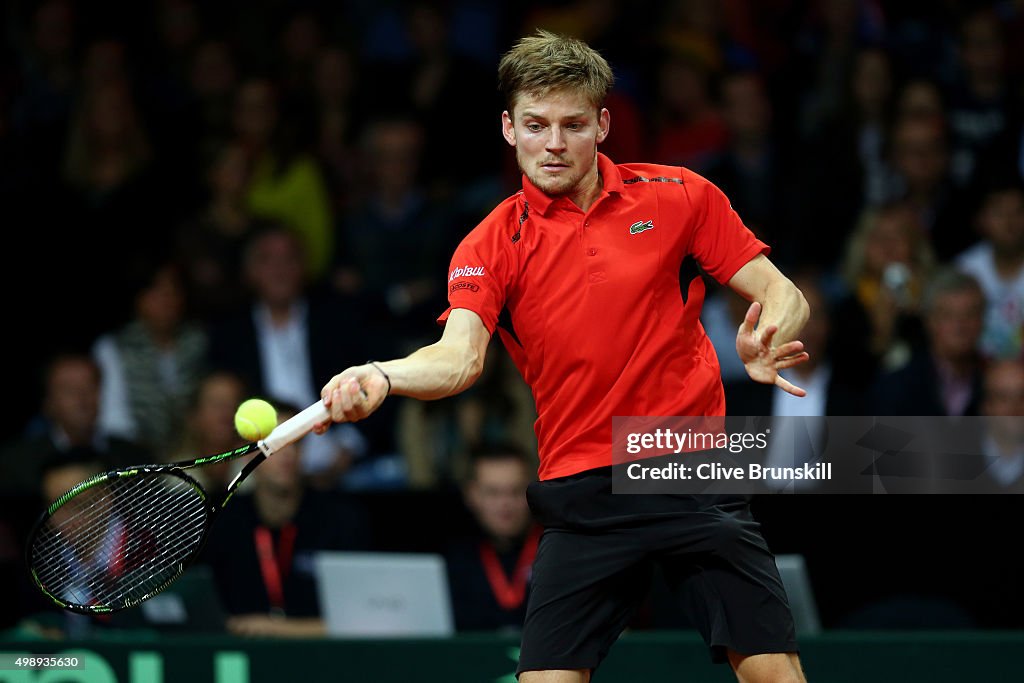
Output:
x=656 y=179
x=688 y=272
x=522 y=219
x=505 y=322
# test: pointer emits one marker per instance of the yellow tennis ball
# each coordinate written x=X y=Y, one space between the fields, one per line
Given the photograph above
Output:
x=255 y=419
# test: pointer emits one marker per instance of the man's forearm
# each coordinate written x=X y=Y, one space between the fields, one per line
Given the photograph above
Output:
x=434 y=371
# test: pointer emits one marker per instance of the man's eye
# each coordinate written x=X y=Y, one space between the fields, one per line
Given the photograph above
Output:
x=575 y=126
x=533 y=126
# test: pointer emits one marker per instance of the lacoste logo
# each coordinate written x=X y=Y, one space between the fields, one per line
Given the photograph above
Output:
x=640 y=226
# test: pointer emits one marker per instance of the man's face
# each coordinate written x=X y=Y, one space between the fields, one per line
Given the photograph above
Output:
x=73 y=397
x=497 y=497
x=955 y=323
x=556 y=137
x=1002 y=221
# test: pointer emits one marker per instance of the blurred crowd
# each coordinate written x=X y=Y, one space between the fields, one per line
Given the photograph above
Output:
x=209 y=201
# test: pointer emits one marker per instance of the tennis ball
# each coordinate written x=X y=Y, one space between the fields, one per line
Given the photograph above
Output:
x=255 y=419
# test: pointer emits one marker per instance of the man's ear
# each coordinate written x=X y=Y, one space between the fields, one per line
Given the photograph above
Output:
x=508 y=129
x=604 y=122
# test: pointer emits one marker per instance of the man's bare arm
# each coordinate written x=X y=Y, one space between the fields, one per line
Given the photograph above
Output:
x=782 y=304
x=765 y=341
x=441 y=369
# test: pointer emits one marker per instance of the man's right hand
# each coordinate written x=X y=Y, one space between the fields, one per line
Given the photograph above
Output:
x=353 y=395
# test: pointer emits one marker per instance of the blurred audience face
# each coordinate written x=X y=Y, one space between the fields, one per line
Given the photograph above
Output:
x=982 y=49
x=920 y=154
x=745 y=108
x=891 y=239
x=393 y=154
x=213 y=416
x=1001 y=221
x=178 y=23
x=427 y=29
x=213 y=69
x=229 y=175
x=72 y=397
x=104 y=63
x=274 y=268
x=302 y=38
x=161 y=305
x=333 y=75
x=53 y=28
x=920 y=100
x=1003 y=400
x=112 y=118
x=682 y=88
x=954 y=323
x=872 y=82
x=255 y=112
x=496 y=495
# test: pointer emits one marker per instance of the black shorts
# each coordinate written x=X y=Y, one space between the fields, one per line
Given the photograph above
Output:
x=596 y=560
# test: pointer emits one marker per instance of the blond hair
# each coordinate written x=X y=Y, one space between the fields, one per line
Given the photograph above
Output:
x=546 y=61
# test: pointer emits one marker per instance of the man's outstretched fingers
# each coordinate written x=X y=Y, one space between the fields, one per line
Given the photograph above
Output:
x=782 y=383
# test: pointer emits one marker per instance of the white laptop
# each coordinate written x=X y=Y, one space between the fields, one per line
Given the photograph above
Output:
x=793 y=572
x=374 y=595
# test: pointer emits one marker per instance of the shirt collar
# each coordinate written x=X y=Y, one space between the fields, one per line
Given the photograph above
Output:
x=611 y=181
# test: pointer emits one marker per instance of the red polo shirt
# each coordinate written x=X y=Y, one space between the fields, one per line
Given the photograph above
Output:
x=589 y=304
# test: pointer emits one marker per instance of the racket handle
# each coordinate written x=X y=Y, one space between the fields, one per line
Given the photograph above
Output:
x=294 y=428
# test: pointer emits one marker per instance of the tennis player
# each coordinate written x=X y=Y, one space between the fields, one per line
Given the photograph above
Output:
x=589 y=275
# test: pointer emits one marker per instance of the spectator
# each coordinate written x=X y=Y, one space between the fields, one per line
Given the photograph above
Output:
x=488 y=574
x=68 y=421
x=749 y=170
x=209 y=245
x=887 y=262
x=41 y=111
x=425 y=83
x=335 y=91
x=287 y=338
x=920 y=156
x=979 y=108
x=945 y=377
x=112 y=184
x=58 y=475
x=997 y=262
x=853 y=140
x=261 y=550
x=687 y=129
x=393 y=239
x=152 y=364
x=286 y=184
x=210 y=427
x=1002 y=405
x=213 y=77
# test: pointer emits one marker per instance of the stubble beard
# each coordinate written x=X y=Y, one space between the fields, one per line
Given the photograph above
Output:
x=555 y=187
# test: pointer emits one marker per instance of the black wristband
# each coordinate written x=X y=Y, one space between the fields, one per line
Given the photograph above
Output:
x=374 y=364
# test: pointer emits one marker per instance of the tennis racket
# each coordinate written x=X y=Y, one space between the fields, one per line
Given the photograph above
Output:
x=121 y=537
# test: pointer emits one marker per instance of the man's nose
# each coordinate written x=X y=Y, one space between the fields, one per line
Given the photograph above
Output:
x=556 y=140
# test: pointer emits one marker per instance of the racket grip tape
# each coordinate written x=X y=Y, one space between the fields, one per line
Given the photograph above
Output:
x=294 y=428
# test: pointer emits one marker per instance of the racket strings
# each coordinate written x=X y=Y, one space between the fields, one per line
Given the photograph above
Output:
x=119 y=541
